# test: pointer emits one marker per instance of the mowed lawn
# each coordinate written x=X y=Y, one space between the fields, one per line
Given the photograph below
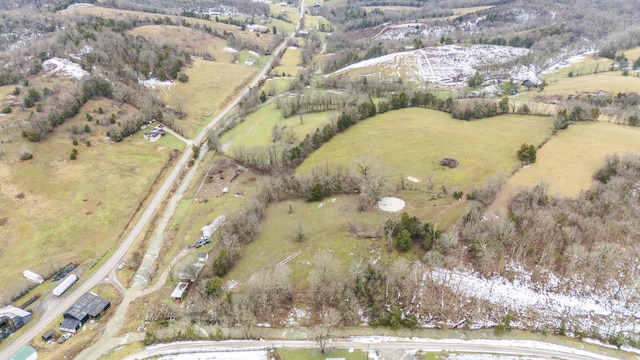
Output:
x=568 y=162
x=411 y=142
x=56 y=210
x=256 y=129
x=211 y=86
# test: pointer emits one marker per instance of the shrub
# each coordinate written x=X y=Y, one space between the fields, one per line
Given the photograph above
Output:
x=7 y=110
x=316 y=193
x=182 y=77
x=87 y=129
x=26 y=155
x=527 y=153
x=75 y=142
x=33 y=136
x=403 y=240
x=73 y=155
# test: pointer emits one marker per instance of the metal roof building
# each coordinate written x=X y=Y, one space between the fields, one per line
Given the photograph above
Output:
x=89 y=306
x=12 y=319
x=25 y=353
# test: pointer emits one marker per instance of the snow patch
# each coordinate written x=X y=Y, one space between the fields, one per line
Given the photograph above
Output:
x=449 y=64
x=229 y=50
x=64 y=67
x=391 y=204
x=254 y=54
x=155 y=83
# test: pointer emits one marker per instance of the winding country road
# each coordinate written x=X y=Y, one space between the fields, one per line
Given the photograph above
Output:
x=46 y=319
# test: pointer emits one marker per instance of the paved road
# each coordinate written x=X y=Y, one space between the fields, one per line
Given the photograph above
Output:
x=534 y=349
x=49 y=317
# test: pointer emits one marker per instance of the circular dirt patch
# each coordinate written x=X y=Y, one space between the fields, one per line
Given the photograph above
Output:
x=391 y=204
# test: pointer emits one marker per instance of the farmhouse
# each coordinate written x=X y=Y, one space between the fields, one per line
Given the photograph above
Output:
x=89 y=306
x=12 y=319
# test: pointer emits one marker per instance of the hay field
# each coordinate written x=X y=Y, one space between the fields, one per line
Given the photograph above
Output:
x=610 y=82
x=255 y=130
x=289 y=62
x=210 y=88
x=568 y=161
x=411 y=142
x=193 y=41
x=56 y=210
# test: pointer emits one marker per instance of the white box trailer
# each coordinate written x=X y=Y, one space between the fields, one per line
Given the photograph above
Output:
x=33 y=277
x=65 y=284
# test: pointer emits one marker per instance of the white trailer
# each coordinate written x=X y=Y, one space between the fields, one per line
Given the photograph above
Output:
x=65 y=284
x=33 y=277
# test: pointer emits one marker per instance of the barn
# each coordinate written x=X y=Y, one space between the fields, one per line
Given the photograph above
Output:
x=89 y=306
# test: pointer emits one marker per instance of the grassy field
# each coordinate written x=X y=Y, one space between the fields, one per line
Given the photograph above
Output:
x=411 y=142
x=69 y=210
x=276 y=241
x=610 y=81
x=255 y=130
x=313 y=354
x=289 y=63
x=569 y=160
x=211 y=86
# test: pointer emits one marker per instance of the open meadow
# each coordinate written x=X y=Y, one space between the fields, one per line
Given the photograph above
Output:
x=57 y=210
x=325 y=228
x=411 y=142
x=570 y=159
x=211 y=86
x=289 y=63
x=255 y=130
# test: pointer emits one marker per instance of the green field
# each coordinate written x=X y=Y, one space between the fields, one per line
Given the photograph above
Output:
x=569 y=160
x=313 y=354
x=70 y=210
x=255 y=130
x=325 y=229
x=289 y=63
x=411 y=142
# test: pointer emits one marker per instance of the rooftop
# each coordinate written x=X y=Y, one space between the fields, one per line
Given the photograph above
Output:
x=88 y=304
x=13 y=312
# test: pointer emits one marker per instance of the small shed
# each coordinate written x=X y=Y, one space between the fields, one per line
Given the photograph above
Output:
x=25 y=353
x=203 y=257
x=48 y=335
x=180 y=290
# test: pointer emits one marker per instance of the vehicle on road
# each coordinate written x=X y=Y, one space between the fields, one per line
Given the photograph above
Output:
x=121 y=266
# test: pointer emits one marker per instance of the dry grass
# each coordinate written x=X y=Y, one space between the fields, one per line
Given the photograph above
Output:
x=457 y=12
x=568 y=161
x=264 y=40
x=69 y=210
x=390 y=8
x=211 y=87
x=610 y=82
x=192 y=41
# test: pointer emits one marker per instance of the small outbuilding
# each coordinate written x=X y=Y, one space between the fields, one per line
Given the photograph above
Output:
x=179 y=291
x=49 y=335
